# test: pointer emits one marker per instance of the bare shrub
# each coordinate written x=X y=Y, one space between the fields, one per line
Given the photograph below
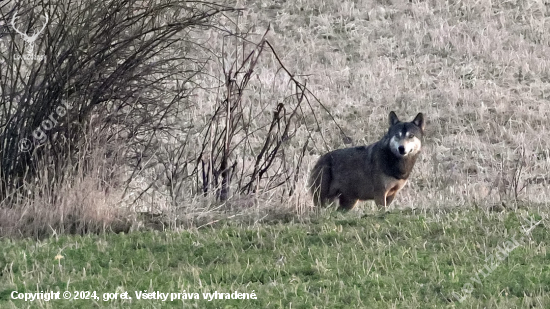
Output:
x=245 y=142
x=137 y=102
x=119 y=61
x=121 y=70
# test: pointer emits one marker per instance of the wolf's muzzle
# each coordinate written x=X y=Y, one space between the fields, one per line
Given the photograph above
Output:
x=401 y=150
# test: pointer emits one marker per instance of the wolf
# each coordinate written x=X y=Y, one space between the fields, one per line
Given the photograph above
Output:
x=374 y=172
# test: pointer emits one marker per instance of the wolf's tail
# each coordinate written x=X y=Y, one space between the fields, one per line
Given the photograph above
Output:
x=319 y=180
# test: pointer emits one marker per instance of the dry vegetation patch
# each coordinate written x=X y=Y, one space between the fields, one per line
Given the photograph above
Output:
x=478 y=70
x=333 y=70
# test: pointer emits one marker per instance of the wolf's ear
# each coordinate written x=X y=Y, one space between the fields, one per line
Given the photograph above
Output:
x=393 y=118
x=419 y=121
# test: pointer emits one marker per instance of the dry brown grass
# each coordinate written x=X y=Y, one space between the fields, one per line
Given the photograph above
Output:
x=478 y=70
x=80 y=204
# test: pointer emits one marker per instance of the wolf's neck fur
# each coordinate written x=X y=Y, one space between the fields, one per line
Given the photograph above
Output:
x=397 y=167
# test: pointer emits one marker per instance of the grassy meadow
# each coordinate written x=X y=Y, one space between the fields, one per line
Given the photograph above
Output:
x=480 y=73
x=405 y=259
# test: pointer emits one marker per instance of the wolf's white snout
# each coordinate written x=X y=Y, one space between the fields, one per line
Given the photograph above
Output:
x=402 y=150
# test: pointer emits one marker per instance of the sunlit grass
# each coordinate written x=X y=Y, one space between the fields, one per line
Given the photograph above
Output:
x=415 y=260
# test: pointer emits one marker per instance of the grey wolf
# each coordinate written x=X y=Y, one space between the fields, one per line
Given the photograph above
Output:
x=374 y=172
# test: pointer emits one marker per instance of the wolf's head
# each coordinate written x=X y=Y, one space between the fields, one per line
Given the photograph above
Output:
x=405 y=137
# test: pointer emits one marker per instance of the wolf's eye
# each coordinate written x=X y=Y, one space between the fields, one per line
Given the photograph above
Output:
x=411 y=135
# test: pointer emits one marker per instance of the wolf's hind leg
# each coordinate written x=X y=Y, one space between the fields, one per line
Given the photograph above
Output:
x=346 y=203
x=389 y=199
x=380 y=201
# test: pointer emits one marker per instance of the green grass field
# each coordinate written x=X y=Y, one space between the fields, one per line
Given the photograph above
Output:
x=395 y=260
